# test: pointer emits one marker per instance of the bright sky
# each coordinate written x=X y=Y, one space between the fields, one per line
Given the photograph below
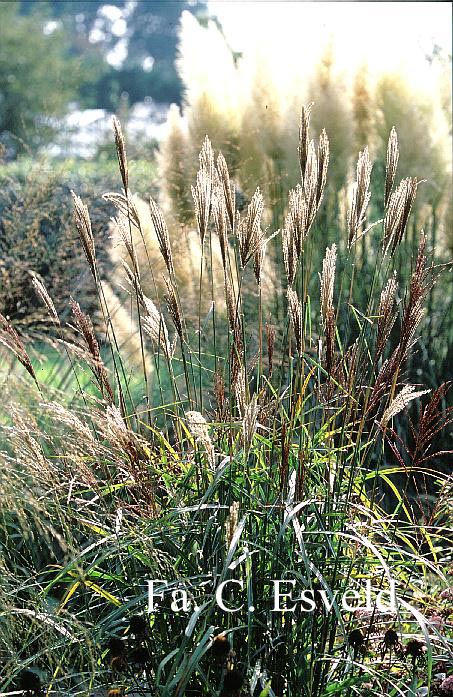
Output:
x=379 y=31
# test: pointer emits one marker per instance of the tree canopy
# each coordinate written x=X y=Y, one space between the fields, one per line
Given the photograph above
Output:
x=145 y=31
x=37 y=76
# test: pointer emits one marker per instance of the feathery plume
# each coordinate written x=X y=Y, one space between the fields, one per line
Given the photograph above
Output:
x=228 y=189
x=219 y=214
x=85 y=327
x=397 y=215
x=386 y=316
x=310 y=185
x=400 y=402
x=198 y=427
x=304 y=129
x=155 y=327
x=230 y=303
x=296 y=317
x=391 y=164
x=163 y=237
x=323 y=164
x=41 y=290
x=422 y=281
x=126 y=237
x=83 y=224
x=12 y=341
x=121 y=152
x=296 y=221
x=360 y=197
x=250 y=422
x=327 y=282
x=202 y=191
x=174 y=308
x=327 y=308
x=125 y=205
x=248 y=230
x=289 y=252
x=231 y=523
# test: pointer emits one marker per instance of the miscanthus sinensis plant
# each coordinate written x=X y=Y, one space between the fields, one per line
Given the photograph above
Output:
x=266 y=451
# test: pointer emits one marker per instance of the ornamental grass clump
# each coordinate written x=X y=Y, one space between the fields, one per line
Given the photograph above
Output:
x=255 y=520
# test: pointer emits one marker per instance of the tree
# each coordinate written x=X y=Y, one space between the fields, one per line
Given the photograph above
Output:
x=150 y=38
x=37 y=77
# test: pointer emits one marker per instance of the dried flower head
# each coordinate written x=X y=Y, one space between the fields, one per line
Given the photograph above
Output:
x=198 y=427
x=155 y=327
x=390 y=643
x=174 y=308
x=228 y=189
x=327 y=283
x=400 y=402
x=221 y=647
x=126 y=237
x=304 y=139
x=160 y=226
x=250 y=422
x=327 y=308
x=391 y=164
x=85 y=327
x=297 y=221
x=125 y=205
x=313 y=168
x=386 y=315
x=121 y=152
x=83 y=224
x=290 y=257
x=356 y=640
x=310 y=185
x=415 y=649
x=231 y=523
x=360 y=197
x=219 y=214
x=202 y=191
x=248 y=230
x=41 y=290
x=397 y=215
x=391 y=637
x=12 y=341
x=296 y=317
x=323 y=164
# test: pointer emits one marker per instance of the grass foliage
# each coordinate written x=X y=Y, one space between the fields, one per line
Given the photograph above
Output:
x=244 y=446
